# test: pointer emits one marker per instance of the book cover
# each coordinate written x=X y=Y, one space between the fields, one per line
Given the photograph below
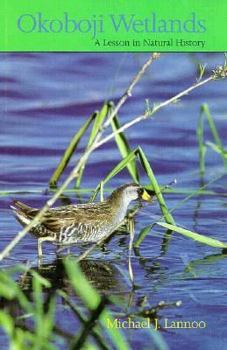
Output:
x=113 y=175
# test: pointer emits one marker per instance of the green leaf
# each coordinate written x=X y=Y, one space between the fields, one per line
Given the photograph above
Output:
x=82 y=287
x=98 y=123
x=213 y=129
x=158 y=192
x=70 y=150
x=8 y=288
x=202 y=147
x=119 y=167
x=143 y=233
x=96 y=128
x=91 y=299
x=49 y=318
x=39 y=312
x=158 y=340
x=216 y=148
x=125 y=149
x=6 y=322
x=43 y=281
x=195 y=236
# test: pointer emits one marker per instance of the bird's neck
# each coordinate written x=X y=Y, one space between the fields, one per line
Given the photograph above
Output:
x=120 y=206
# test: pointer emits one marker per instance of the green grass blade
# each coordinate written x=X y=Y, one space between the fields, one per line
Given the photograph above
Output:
x=202 y=147
x=119 y=167
x=166 y=214
x=43 y=281
x=91 y=299
x=69 y=151
x=10 y=289
x=195 y=236
x=124 y=149
x=99 y=119
x=216 y=148
x=205 y=109
x=49 y=319
x=80 y=175
x=39 y=312
x=6 y=322
x=98 y=123
x=158 y=339
x=143 y=233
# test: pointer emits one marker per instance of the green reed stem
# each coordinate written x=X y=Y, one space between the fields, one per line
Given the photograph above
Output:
x=70 y=150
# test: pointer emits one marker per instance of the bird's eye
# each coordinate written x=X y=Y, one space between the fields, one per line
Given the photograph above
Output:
x=140 y=192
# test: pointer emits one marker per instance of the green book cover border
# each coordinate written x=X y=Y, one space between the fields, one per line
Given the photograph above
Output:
x=114 y=26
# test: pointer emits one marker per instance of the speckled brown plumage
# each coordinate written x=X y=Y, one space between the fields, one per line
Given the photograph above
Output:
x=81 y=222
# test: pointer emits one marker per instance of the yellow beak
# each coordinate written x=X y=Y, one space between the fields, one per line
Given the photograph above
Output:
x=146 y=196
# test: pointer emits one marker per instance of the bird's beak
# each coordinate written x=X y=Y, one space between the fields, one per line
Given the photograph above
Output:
x=145 y=196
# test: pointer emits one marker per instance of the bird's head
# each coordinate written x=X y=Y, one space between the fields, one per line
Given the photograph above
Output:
x=130 y=192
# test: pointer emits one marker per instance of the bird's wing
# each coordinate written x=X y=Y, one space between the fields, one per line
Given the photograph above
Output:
x=84 y=216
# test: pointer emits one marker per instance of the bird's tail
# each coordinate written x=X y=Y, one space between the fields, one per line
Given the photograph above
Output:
x=22 y=212
x=17 y=205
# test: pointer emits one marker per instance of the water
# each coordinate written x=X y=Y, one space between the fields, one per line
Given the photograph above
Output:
x=44 y=99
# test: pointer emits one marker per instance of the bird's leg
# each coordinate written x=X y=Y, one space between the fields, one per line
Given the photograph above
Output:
x=103 y=247
x=131 y=224
x=131 y=227
x=40 y=253
x=40 y=241
x=134 y=210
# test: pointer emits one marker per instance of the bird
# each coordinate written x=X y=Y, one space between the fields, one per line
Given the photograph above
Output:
x=79 y=223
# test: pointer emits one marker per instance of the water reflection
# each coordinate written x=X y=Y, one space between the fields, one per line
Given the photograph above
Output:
x=199 y=266
x=104 y=276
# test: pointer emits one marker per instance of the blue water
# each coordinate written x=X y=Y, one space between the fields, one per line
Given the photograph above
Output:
x=44 y=99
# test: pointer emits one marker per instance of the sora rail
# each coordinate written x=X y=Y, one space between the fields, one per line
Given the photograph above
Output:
x=88 y=222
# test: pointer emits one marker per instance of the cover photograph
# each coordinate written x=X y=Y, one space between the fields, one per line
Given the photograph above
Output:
x=113 y=197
